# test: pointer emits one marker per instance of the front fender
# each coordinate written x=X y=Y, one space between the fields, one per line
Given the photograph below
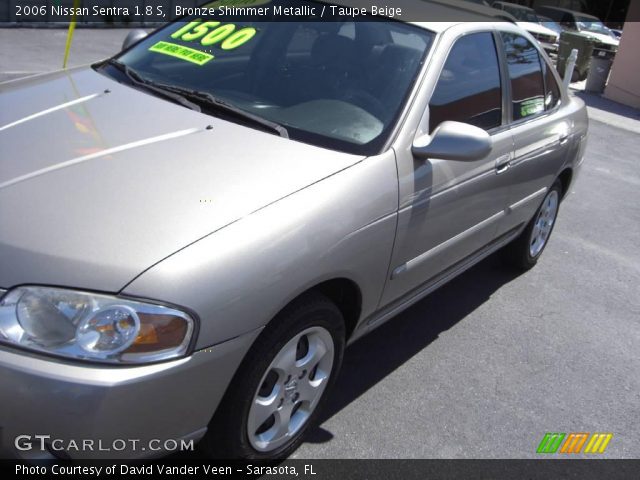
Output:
x=238 y=278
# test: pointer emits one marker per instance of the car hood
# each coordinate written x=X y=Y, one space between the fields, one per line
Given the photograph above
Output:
x=537 y=28
x=602 y=38
x=99 y=181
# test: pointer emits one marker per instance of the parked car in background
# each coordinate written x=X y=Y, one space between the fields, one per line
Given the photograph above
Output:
x=479 y=2
x=484 y=6
x=588 y=25
x=577 y=5
x=617 y=33
x=528 y=19
x=550 y=24
x=194 y=229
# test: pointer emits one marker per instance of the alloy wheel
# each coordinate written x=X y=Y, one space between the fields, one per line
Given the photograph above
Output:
x=290 y=389
x=544 y=223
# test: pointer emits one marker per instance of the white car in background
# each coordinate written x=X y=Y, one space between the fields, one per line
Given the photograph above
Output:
x=605 y=40
x=548 y=39
x=594 y=28
x=528 y=20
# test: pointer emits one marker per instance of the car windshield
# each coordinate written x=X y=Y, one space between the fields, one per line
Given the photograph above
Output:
x=587 y=23
x=338 y=84
x=552 y=25
x=522 y=14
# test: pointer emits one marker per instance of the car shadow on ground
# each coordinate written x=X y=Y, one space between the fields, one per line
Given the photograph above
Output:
x=597 y=101
x=404 y=336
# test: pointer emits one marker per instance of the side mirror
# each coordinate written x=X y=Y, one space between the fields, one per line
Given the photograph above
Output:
x=134 y=36
x=454 y=141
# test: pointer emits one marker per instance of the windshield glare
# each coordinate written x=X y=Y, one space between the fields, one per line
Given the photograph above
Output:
x=552 y=25
x=591 y=26
x=339 y=85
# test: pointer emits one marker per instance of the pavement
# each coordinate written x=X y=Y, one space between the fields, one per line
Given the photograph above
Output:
x=488 y=364
x=42 y=50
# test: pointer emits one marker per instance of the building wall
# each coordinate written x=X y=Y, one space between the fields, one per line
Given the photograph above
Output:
x=624 y=82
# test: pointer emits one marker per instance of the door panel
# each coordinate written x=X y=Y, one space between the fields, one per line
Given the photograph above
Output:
x=450 y=209
x=541 y=148
x=541 y=132
x=455 y=211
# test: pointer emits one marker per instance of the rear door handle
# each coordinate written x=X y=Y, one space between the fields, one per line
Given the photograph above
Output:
x=503 y=163
x=564 y=138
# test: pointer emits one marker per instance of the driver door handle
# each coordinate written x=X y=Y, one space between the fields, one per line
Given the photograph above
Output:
x=503 y=163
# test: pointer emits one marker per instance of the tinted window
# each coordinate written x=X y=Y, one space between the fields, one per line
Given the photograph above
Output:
x=568 y=21
x=552 y=89
x=552 y=14
x=525 y=71
x=469 y=88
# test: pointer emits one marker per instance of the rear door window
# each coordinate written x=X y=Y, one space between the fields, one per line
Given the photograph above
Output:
x=525 y=72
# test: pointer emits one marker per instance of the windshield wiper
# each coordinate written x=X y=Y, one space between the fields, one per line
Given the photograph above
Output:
x=137 y=79
x=180 y=94
x=214 y=102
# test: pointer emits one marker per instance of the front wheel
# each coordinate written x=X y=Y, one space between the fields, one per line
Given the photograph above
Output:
x=282 y=383
x=525 y=250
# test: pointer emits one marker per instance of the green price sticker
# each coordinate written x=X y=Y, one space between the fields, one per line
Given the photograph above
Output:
x=183 y=53
x=531 y=107
x=208 y=34
x=211 y=33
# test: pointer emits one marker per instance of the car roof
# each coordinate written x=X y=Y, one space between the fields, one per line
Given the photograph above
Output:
x=515 y=6
x=566 y=10
x=441 y=14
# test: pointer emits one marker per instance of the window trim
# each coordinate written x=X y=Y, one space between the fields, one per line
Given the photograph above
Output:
x=513 y=121
x=544 y=64
x=507 y=102
x=548 y=67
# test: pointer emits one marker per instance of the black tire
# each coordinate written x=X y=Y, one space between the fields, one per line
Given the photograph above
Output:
x=518 y=252
x=576 y=76
x=583 y=75
x=227 y=437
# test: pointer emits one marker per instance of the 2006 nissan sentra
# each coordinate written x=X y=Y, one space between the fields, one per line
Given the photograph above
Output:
x=192 y=231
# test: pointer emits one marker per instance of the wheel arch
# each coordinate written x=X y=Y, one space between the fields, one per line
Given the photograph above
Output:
x=565 y=177
x=345 y=294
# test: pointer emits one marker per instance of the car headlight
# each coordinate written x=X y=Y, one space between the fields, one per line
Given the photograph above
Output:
x=92 y=326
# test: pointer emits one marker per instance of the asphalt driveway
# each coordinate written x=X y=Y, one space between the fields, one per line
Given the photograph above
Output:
x=485 y=366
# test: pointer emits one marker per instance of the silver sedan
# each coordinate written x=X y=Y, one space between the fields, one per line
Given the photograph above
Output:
x=193 y=230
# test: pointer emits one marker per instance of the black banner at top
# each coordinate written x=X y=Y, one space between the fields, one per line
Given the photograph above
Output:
x=154 y=12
